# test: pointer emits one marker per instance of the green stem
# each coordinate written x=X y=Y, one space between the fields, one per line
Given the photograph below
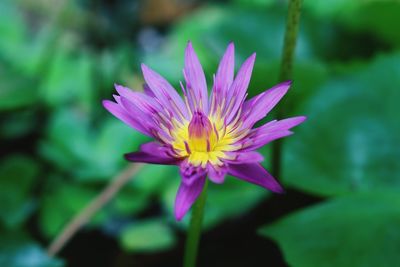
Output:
x=193 y=237
x=289 y=46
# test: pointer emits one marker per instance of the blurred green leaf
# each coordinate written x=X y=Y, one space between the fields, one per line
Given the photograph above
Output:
x=17 y=124
x=70 y=79
x=29 y=255
x=147 y=236
x=359 y=230
x=128 y=202
x=17 y=174
x=18 y=250
x=351 y=138
x=88 y=153
x=154 y=178
x=374 y=16
x=16 y=91
x=12 y=29
x=230 y=200
x=61 y=203
x=211 y=36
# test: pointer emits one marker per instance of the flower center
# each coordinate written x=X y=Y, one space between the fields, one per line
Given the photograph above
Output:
x=201 y=134
x=202 y=140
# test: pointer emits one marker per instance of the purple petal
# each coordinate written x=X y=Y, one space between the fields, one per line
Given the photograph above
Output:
x=225 y=72
x=142 y=101
x=187 y=195
x=195 y=78
x=124 y=116
x=164 y=92
x=239 y=157
x=254 y=173
x=258 y=107
x=147 y=90
x=237 y=92
x=150 y=158
x=217 y=173
x=158 y=149
x=270 y=132
x=154 y=153
x=190 y=173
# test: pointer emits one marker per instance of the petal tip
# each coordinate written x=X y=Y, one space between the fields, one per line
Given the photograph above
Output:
x=179 y=216
x=189 y=46
x=144 y=67
x=277 y=188
x=106 y=104
x=127 y=157
x=302 y=119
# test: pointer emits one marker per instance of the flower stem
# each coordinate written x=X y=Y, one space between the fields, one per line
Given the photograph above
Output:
x=193 y=237
x=286 y=69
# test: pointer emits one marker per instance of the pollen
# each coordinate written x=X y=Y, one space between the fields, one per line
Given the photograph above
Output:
x=202 y=140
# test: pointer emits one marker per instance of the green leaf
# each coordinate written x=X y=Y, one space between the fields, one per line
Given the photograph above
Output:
x=90 y=154
x=154 y=178
x=69 y=79
x=351 y=138
x=211 y=36
x=14 y=92
x=61 y=203
x=220 y=200
x=12 y=29
x=18 y=124
x=17 y=176
x=128 y=202
x=18 y=250
x=374 y=16
x=360 y=230
x=147 y=236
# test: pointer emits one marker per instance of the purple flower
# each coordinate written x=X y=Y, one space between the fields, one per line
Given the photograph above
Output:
x=204 y=135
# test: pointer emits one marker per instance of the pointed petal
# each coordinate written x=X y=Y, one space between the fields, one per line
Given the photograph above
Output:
x=187 y=195
x=256 y=174
x=154 y=152
x=217 y=173
x=258 y=107
x=237 y=92
x=145 y=157
x=119 y=112
x=147 y=90
x=270 y=132
x=225 y=72
x=164 y=92
x=239 y=157
x=195 y=77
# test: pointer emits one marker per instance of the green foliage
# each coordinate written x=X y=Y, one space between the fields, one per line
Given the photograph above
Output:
x=17 y=177
x=73 y=146
x=376 y=17
x=147 y=236
x=69 y=78
x=211 y=36
x=18 y=250
x=359 y=230
x=63 y=203
x=348 y=149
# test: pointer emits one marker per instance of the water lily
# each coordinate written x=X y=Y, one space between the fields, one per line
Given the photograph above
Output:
x=206 y=135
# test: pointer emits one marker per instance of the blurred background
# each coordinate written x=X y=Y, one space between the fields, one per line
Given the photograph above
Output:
x=59 y=147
